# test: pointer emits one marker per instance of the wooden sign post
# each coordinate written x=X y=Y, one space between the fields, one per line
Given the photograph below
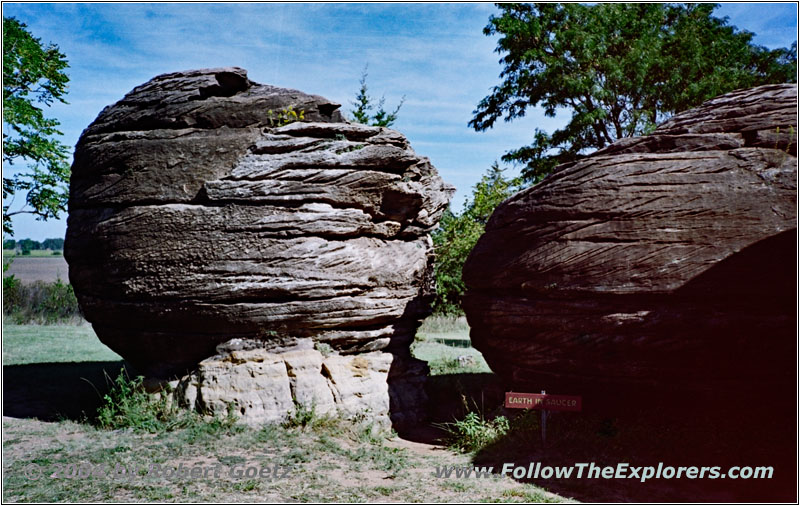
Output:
x=545 y=402
x=544 y=424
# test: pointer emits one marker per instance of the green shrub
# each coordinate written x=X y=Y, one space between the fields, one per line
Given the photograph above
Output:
x=129 y=405
x=305 y=416
x=474 y=433
x=457 y=235
x=302 y=416
x=12 y=298
x=39 y=302
x=203 y=429
x=365 y=105
x=56 y=301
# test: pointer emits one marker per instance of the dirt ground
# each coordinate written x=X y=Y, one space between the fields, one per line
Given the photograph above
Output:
x=325 y=465
x=53 y=386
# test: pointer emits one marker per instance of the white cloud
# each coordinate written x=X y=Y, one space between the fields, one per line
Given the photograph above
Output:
x=434 y=54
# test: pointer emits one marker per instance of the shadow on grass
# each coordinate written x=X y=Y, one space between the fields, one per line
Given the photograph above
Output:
x=56 y=391
x=450 y=398
x=640 y=427
x=455 y=343
x=676 y=428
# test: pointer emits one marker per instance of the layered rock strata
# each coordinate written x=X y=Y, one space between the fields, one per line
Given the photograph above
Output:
x=261 y=385
x=665 y=259
x=201 y=212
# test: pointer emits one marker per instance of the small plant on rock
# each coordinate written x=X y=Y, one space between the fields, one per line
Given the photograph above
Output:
x=364 y=107
x=305 y=416
x=324 y=348
x=284 y=117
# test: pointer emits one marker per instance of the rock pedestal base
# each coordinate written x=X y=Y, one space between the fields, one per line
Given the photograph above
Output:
x=263 y=385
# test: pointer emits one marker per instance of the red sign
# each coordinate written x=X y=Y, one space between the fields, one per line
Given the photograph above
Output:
x=543 y=401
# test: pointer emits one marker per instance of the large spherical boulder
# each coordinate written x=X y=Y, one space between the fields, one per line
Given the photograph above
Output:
x=206 y=208
x=667 y=259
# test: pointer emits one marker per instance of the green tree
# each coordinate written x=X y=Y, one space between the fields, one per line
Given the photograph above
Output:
x=618 y=68
x=364 y=106
x=33 y=77
x=28 y=245
x=458 y=233
x=56 y=244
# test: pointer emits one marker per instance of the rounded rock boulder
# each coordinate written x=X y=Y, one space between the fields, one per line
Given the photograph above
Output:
x=205 y=207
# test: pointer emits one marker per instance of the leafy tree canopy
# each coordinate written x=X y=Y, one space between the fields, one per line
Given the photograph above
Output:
x=29 y=245
x=33 y=76
x=620 y=69
x=364 y=106
x=55 y=244
x=458 y=233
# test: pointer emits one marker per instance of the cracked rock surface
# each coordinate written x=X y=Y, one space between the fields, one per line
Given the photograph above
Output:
x=263 y=385
x=665 y=259
x=197 y=217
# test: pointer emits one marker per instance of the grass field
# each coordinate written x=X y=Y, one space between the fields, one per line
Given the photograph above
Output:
x=54 y=376
x=444 y=343
x=31 y=344
x=10 y=253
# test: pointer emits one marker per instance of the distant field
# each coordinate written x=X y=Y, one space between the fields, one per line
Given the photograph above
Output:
x=37 y=267
x=7 y=253
x=443 y=342
x=450 y=330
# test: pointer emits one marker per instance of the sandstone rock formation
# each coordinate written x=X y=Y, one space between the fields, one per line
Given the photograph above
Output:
x=665 y=259
x=263 y=385
x=199 y=216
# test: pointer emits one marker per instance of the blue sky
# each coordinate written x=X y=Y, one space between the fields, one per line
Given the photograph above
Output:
x=434 y=54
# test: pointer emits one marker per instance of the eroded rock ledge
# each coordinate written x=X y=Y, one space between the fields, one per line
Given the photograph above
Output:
x=197 y=218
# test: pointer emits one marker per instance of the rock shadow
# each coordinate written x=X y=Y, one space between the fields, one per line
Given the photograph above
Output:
x=734 y=406
x=669 y=426
x=449 y=398
x=731 y=398
x=57 y=391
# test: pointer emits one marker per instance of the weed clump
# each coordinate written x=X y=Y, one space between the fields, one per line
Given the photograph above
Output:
x=303 y=416
x=474 y=432
x=128 y=405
